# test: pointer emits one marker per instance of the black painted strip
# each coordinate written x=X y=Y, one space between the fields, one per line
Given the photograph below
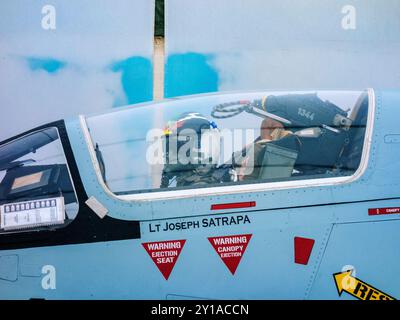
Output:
x=87 y=227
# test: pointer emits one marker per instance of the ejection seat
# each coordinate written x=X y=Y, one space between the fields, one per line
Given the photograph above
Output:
x=279 y=157
x=295 y=154
x=270 y=160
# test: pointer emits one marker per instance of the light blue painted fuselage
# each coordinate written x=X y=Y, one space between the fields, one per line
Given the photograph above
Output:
x=335 y=216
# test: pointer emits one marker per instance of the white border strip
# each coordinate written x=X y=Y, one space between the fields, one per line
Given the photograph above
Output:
x=245 y=188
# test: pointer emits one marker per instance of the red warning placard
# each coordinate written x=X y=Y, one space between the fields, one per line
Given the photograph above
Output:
x=231 y=249
x=164 y=254
x=378 y=211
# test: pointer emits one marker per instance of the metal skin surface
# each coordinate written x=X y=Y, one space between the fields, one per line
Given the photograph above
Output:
x=116 y=266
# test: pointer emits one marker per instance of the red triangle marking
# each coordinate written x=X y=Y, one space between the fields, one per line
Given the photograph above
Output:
x=164 y=254
x=231 y=249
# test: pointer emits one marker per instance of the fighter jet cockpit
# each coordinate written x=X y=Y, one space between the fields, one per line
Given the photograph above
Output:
x=230 y=139
x=36 y=191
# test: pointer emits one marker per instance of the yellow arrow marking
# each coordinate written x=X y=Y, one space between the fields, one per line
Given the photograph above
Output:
x=357 y=288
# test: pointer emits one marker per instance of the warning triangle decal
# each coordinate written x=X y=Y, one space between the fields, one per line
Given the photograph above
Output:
x=231 y=249
x=164 y=254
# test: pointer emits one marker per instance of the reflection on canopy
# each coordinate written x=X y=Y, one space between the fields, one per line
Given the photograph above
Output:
x=232 y=138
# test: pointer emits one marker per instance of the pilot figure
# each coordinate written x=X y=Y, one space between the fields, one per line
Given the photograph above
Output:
x=191 y=151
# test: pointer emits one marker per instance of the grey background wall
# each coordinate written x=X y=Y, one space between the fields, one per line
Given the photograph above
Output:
x=281 y=44
x=98 y=56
